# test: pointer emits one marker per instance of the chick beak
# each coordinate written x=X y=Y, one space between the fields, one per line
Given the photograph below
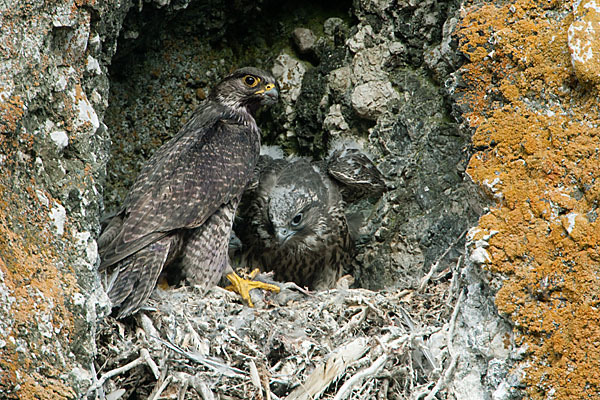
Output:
x=283 y=235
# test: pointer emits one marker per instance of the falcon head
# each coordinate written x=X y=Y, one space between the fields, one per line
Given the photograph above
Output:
x=297 y=208
x=247 y=88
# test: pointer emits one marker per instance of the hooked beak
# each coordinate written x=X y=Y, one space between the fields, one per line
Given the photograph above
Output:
x=269 y=92
x=283 y=235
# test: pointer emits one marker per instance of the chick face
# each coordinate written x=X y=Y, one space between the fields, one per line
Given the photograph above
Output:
x=295 y=214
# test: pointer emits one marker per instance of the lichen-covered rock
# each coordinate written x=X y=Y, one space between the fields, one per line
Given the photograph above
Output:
x=289 y=73
x=584 y=36
x=536 y=132
x=53 y=145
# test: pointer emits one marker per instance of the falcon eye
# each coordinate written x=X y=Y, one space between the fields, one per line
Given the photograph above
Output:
x=251 y=81
x=297 y=219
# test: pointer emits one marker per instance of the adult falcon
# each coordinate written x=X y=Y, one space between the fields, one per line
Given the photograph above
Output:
x=182 y=205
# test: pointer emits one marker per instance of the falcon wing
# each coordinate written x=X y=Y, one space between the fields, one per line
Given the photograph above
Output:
x=206 y=165
x=253 y=208
x=355 y=172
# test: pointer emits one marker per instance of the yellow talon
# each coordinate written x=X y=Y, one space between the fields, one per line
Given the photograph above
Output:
x=244 y=286
x=163 y=283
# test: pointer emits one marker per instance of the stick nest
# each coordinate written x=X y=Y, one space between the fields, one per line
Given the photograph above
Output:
x=339 y=344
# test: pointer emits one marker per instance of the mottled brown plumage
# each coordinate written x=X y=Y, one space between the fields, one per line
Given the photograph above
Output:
x=293 y=221
x=183 y=202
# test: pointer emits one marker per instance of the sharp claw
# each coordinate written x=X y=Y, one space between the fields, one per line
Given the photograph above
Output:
x=243 y=286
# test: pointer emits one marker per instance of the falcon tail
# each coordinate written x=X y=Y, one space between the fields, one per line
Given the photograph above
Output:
x=137 y=275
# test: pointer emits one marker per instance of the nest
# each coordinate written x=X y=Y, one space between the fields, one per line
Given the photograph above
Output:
x=337 y=344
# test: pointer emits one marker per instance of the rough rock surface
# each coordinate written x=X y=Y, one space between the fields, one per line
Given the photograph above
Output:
x=424 y=85
x=536 y=132
x=53 y=149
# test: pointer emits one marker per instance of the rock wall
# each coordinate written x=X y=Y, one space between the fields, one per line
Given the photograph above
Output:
x=530 y=94
x=438 y=93
x=53 y=151
x=377 y=81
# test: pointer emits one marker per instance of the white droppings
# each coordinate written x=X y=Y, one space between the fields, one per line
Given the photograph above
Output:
x=480 y=256
x=571 y=222
x=78 y=299
x=592 y=4
x=86 y=113
x=61 y=83
x=274 y=152
x=42 y=198
x=63 y=16
x=58 y=215
x=60 y=138
x=491 y=185
x=93 y=65
x=85 y=241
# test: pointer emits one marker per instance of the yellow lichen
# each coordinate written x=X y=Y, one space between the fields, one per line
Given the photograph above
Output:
x=538 y=127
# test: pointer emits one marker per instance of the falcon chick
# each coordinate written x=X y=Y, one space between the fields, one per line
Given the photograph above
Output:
x=293 y=222
x=182 y=205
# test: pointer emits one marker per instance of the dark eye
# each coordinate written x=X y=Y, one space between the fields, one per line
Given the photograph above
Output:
x=297 y=219
x=251 y=80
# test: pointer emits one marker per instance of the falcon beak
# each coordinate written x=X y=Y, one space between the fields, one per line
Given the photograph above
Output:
x=269 y=91
x=283 y=235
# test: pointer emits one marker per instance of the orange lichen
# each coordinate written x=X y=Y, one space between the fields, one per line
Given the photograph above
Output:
x=28 y=265
x=539 y=131
x=11 y=112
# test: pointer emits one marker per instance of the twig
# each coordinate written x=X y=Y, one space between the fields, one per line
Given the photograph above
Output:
x=434 y=266
x=383 y=391
x=327 y=372
x=443 y=380
x=161 y=388
x=115 y=372
x=203 y=390
x=183 y=389
x=355 y=321
x=115 y=395
x=450 y=335
x=454 y=281
x=359 y=376
x=265 y=382
x=212 y=364
x=360 y=299
x=146 y=356
x=255 y=378
x=294 y=286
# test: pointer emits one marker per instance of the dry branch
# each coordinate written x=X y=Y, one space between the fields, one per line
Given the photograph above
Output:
x=330 y=370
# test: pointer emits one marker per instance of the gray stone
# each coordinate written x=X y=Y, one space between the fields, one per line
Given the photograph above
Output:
x=372 y=99
x=335 y=122
x=305 y=40
x=340 y=80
